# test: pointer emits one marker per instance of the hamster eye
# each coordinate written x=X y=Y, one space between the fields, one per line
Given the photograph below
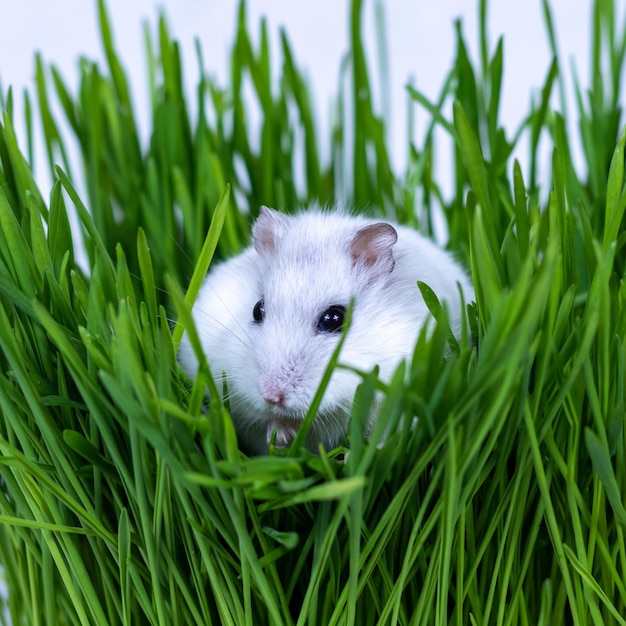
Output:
x=258 y=313
x=331 y=319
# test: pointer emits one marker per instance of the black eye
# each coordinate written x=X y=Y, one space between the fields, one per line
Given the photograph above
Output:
x=331 y=319
x=258 y=313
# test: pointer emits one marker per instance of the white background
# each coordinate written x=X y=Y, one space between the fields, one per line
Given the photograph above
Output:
x=420 y=37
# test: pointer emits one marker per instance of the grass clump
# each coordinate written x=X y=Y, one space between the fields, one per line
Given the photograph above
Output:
x=124 y=501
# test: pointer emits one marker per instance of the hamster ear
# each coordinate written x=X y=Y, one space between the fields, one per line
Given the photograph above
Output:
x=371 y=247
x=267 y=229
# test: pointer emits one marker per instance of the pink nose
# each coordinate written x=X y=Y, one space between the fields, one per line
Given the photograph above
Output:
x=273 y=394
x=275 y=397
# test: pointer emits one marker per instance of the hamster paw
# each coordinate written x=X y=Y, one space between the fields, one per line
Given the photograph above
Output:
x=286 y=430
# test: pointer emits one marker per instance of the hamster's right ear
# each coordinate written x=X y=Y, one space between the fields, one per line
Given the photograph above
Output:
x=267 y=229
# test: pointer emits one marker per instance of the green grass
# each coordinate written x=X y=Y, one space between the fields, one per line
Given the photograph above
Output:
x=124 y=502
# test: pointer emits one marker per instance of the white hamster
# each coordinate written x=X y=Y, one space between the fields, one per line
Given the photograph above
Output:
x=270 y=318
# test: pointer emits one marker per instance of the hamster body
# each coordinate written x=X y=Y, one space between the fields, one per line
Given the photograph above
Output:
x=270 y=318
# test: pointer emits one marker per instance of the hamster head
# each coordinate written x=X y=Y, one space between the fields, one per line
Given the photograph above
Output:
x=308 y=268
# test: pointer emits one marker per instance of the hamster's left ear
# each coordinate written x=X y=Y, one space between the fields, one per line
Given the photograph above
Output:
x=267 y=229
x=371 y=248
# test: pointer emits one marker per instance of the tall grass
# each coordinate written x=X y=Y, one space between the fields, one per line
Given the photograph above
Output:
x=125 y=499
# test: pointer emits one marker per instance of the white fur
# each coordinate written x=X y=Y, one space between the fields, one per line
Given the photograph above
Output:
x=306 y=269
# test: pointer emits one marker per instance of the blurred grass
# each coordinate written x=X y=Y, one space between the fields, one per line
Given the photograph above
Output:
x=123 y=502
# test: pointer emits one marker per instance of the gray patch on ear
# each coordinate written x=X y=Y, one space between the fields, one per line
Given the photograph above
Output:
x=372 y=246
